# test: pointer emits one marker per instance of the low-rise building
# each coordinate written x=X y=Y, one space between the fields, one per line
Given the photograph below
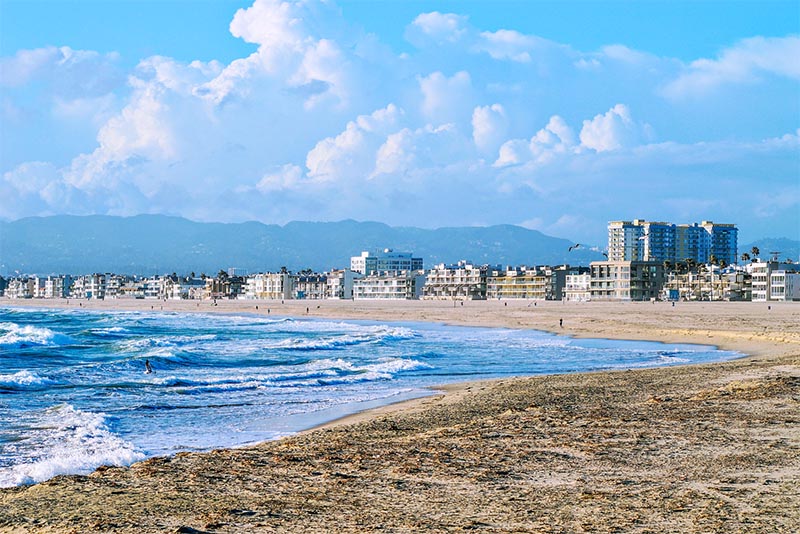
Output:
x=462 y=281
x=269 y=286
x=403 y=285
x=577 y=287
x=774 y=281
x=340 y=284
x=310 y=286
x=626 y=280
x=531 y=283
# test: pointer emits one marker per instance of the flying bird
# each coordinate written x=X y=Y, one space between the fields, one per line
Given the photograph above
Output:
x=576 y=245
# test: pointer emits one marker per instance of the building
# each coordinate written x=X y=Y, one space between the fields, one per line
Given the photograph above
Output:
x=775 y=281
x=386 y=261
x=626 y=280
x=577 y=287
x=641 y=240
x=522 y=282
x=309 y=285
x=56 y=287
x=269 y=286
x=463 y=281
x=340 y=284
x=402 y=285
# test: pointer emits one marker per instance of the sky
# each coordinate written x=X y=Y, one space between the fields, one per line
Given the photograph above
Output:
x=556 y=116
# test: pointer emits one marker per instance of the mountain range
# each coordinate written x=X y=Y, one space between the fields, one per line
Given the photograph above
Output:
x=158 y=244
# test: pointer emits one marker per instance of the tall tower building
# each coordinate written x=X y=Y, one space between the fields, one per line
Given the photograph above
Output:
x=640 y=240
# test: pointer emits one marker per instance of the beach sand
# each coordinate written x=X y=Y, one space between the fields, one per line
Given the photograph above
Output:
x=700 y=448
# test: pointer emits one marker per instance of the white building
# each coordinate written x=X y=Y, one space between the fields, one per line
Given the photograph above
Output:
x=577 y=287
x=460 y=281
x=269 y=286
x=386 y=261
x=774 y=281
x=404 y=285
x=340 y=284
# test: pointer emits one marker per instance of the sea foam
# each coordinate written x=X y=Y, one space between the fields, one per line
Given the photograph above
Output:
x=69 y=441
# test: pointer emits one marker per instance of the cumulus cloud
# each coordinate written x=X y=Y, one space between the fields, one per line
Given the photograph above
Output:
x=437 y=28
x=444 y=99
x=324 y=121
x=351 y=154
x=749 y=61
x=489 y=127
x=612 y=130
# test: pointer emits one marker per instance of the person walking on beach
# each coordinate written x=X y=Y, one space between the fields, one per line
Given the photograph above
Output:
x=561 y=323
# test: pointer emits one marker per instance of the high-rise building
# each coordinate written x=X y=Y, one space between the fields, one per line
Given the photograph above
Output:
x=640 y=240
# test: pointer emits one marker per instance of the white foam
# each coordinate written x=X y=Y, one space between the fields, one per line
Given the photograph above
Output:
x=23 y=379
x=16 y=335
x=67 y=441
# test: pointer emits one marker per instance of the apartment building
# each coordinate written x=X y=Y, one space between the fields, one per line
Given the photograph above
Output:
x=402 y=285
x=462 y=281
x=385 y=261
x=522 y=282
x=269 y=286
x=577 y=287
x=310 y=286
x=775 y=281
x=340 y=284
x=641 y=240
x=626 y=280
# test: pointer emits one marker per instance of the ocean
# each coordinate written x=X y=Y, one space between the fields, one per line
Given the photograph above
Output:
x=75 y=395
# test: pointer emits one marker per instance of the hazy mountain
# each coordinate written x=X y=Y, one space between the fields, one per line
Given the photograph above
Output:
x=785 y=247
x=150 y=244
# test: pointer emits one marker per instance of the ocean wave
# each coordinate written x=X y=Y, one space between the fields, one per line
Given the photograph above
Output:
x=68 y=441
x=23 y=380
x=18 y=336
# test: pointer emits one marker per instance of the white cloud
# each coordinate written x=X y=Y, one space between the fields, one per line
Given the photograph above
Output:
x=746 y=62
x=489 y=127
x=613 y=130
x=509 y=45
x=437 y=28
x=446 y=100
x=556 y=137
x=324 y=121
x=351 y=154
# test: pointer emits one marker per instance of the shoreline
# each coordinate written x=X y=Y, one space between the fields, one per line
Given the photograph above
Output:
x=558 y=436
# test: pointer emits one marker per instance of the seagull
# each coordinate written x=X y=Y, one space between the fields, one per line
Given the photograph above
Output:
x=576 y=245
x=605 y=254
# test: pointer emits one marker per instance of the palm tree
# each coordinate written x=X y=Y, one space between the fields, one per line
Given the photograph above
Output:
x=755 y=252
x=745 y=256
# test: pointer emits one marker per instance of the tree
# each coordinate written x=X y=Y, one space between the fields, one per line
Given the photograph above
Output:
x=755 y=252
x=745 y=256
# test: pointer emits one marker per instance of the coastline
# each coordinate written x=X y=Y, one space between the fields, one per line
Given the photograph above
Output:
x=757 y=396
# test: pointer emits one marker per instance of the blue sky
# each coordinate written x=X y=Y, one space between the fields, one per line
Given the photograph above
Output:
x=558 y=116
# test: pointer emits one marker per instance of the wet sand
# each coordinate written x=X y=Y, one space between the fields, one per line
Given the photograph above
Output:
x=701 y=448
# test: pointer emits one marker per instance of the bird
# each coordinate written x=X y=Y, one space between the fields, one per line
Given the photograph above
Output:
x=605 y=254
x=576 y=245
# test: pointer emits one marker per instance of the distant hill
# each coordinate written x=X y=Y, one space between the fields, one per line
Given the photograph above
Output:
x=157 y=244
x=787 y=248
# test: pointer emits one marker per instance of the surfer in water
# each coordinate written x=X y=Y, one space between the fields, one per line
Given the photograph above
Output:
x=147 y=368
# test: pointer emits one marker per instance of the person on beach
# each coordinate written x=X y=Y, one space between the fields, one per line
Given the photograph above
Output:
x=147 y=368
x=561 y=323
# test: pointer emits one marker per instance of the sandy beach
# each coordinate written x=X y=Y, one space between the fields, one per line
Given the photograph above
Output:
x=701 y=448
